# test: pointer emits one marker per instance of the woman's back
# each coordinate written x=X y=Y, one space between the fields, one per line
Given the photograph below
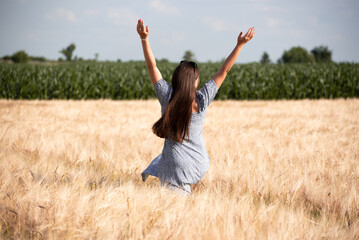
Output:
x=188 y=161
x=204 y=97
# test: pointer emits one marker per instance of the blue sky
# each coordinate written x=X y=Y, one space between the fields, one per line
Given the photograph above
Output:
x=208 y=28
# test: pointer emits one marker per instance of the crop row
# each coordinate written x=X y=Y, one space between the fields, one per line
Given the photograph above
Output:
x=130 y=80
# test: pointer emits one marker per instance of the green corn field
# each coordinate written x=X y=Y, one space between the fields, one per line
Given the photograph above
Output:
x=130 y=80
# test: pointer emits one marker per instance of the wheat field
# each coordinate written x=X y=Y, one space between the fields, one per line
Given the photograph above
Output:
x=278 y=170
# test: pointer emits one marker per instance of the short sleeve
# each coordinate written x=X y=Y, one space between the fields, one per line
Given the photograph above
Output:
x=163 y=91
x=208 y=92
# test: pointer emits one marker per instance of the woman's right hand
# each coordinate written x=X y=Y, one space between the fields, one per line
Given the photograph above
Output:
x=142 y=30
x=248 y=36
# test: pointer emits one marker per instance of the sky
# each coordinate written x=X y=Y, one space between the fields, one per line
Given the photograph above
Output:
x=208 y=28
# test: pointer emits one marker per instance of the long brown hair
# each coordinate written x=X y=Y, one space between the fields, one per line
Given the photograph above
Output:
x=175 y=122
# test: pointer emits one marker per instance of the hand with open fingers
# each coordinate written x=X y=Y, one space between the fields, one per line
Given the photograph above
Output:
x=142 y=30
x=248 y=36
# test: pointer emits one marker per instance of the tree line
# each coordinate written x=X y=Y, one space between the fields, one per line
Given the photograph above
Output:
x=301 y=55
x=294 y=55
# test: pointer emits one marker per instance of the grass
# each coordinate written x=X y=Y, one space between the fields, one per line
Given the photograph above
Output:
x=278 y=170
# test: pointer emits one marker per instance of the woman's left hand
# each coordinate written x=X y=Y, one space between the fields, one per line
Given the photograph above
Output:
x=246 y=38
x=142 y=30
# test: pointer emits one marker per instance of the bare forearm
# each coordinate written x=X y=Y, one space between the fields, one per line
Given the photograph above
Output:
x=147 y=52
x=143 y=31
x=221 y=74
x=227 y=65
x=231 y=59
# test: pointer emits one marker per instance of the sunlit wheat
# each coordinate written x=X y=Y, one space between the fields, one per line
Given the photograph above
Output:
x=278 y=170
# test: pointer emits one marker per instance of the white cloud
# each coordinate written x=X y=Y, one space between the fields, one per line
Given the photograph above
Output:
x=312 y=19
x=62 y=14
x=336 y=37
x=92 y=12
x=122 y=16
x=273 y=9
x=216 y=24
x=295 y=32
x=161 y=7
x=32 y=37
x=173 y=38
x=272 y=22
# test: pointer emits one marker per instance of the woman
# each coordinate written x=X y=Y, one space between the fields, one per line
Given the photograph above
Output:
x=184 y=159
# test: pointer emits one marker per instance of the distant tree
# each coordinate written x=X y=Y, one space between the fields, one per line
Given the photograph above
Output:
x=297 y=55
x=265 y=58
x=322 y=54
x=6 y=58
x=119 y=60
x=20 y=57
x=68 y=51
x=189 y=56
x=96 y=57
x=162 y=60
x=39 y=59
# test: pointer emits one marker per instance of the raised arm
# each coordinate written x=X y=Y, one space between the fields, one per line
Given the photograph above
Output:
x=221 y=74
x=143 y=31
